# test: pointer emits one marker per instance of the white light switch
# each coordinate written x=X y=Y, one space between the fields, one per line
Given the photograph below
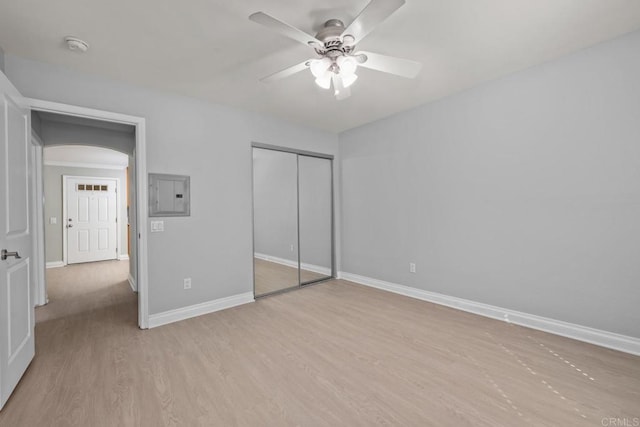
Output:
x=53 y=220
x=157 y=226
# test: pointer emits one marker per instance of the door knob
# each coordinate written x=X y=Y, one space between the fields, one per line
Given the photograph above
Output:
x=6 y=254
x=70 y=225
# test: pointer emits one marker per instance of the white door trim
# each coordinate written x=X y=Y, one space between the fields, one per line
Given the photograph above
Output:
x=39 y=279
x=65 y=179
x=141 y=186
x=83 y=165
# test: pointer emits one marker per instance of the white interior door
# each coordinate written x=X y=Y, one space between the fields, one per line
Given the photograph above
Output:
x=16 y=305
x=92 y=212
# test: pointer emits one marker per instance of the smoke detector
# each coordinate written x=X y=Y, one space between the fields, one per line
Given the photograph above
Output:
x=76 y=44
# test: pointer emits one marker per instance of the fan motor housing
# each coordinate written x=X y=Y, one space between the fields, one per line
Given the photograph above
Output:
x=330 y=36
x=331 y=30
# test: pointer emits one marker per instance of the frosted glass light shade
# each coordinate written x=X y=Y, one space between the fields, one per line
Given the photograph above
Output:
x=347 y=65
x=349 y=80
x=319 y=67
x=324 y=81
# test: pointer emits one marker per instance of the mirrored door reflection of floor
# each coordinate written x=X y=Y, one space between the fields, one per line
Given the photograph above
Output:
x=271 y=276
x=88 y=289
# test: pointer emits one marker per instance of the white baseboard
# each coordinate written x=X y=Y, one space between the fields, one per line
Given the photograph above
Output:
x=599 y=337
x=289 y=263
x=55 y=264
x=178 y=314
x=132 y=283
x=124 y=257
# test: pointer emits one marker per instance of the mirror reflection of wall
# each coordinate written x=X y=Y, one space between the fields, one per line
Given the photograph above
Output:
x=293 y=220
x=275 y=219
x=315 y=218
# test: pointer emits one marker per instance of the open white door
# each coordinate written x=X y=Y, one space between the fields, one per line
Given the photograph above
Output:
x=16 y=306
x=91 y=221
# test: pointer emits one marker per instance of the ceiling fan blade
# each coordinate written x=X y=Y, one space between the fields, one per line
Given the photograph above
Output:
x=286 y=72
x=389 y=64
x=373 y=14
x=284 y=29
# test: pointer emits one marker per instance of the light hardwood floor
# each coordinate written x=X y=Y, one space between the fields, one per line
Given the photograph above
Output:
x=83 y=288
x=328 y=355
x=271 y=276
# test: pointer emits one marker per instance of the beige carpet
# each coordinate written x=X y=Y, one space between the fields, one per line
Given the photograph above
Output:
x=335 y=354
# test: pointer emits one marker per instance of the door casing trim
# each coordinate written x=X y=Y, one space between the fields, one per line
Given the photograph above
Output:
x=141 y=186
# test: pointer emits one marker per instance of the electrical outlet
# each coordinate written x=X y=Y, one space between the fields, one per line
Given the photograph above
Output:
x=187 y=283
x=291 y=248
x=412 y=267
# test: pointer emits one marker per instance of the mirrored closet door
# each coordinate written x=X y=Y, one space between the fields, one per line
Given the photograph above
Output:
x=315 y=218
x=292 y=219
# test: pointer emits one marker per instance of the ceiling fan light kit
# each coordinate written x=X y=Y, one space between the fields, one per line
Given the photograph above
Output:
x=344 y=67
x=337 y=61
x=324 y=81
x=319 y=67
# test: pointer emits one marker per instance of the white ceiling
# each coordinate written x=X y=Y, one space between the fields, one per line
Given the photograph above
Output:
x=209 y=49
x=84 y=155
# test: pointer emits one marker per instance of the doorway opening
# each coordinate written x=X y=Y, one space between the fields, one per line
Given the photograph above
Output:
x=88 y=217
x=90 y=181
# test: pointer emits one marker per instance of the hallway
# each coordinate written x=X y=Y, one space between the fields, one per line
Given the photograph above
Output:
x=80 y=289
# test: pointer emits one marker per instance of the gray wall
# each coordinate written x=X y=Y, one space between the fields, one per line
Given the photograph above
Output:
x=522 y=193
x=185 y=136
x=315 y=211
x=36 y=124
x=58 y=133
x=53 y=205
x=275 y=203
x=276 y=179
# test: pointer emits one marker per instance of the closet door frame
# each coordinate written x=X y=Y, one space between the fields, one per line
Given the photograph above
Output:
x=333 y=227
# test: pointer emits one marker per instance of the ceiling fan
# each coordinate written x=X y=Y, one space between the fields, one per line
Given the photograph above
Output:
x=335 y=45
